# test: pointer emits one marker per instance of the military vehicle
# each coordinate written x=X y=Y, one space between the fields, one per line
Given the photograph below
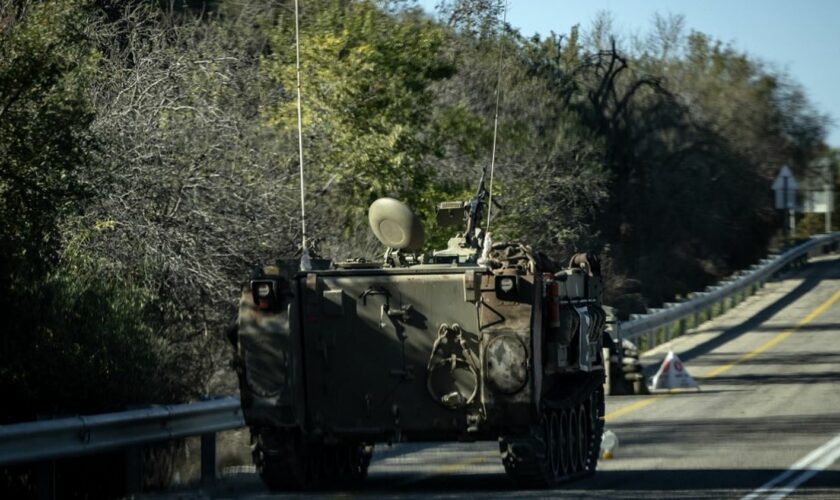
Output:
x=477 y=341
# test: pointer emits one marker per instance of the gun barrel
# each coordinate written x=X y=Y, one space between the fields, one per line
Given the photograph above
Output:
x=475 y=210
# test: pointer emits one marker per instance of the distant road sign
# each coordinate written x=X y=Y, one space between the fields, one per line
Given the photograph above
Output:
x=785 y=188
x=817 y=202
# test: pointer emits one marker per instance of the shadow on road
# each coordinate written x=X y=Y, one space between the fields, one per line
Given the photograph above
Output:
x=807 y=367
x=771 y=358
x=829 y=377
x=673 y=483
x=384 y=452
x=686 y=434
x=828 y=328
x=642 y=484
x=686 y=483
x=814 y=274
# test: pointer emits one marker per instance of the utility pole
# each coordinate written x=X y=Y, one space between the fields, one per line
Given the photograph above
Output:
x=786 y=210
x=829 y=196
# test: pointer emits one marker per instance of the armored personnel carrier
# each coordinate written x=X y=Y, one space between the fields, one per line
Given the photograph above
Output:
x=477 y=341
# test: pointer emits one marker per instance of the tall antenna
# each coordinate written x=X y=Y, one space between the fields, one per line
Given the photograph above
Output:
x=304 y=258
x=496 y=118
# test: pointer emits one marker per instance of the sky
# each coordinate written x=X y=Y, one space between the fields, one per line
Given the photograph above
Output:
x=799 y=37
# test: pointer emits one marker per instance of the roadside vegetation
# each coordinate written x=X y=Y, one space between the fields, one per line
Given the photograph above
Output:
x=148 y=161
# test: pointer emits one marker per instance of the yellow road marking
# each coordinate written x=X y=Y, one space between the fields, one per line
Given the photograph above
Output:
x=723 y=369
x=638 y=405
x=450 y=469
x=460 y=466
x=777 y=339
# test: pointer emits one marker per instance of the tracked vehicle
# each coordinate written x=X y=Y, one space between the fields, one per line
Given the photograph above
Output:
x=477 y=341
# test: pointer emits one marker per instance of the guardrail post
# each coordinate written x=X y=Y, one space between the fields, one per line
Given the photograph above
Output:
x=134 y=469
x=683 y=327
x=208 y=458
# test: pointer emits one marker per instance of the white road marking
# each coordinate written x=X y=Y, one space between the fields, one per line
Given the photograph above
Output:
x=804 y=469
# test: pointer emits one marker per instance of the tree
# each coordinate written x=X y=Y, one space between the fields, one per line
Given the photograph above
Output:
x=367 y=102
x=45 y=141
x=199 y=189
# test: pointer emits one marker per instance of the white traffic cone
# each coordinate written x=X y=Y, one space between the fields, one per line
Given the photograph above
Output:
x=672 y=375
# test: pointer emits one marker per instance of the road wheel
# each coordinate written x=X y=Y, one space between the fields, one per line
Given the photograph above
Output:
x=562 y=445
x=583 y=436
x=574 y=440
x=554 y=444
x=565 y=442
x=596 y=410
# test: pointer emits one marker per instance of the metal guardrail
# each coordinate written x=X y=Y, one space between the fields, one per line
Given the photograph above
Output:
x=662 y=325
x=64 y=437
x=47 y=440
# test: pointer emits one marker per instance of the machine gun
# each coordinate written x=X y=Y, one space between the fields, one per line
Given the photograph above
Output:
x=474 y=213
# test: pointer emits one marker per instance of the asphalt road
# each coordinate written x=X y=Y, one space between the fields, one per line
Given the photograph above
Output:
x=765 y=424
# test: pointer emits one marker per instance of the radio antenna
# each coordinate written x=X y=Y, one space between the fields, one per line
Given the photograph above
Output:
x=496 y=118
x=305 y=264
